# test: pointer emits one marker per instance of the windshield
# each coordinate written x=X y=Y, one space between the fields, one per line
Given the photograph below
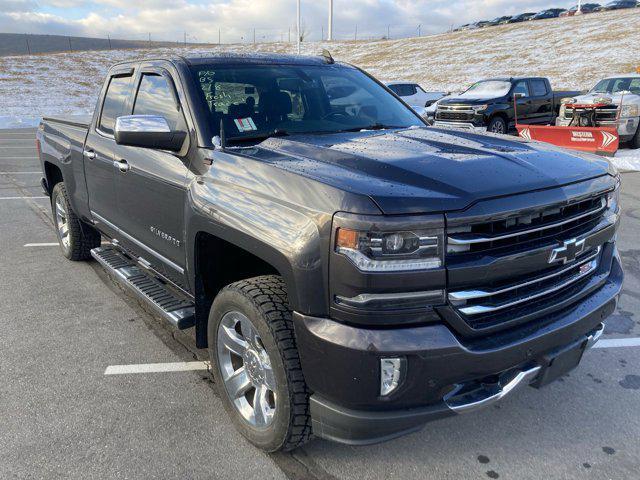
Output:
x=618 y=85
x=254 y=102
x=488 y=89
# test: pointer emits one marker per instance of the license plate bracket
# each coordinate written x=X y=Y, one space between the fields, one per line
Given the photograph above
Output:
x=559 y=362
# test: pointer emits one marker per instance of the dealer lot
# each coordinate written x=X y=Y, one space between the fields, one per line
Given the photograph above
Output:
x=66 y=323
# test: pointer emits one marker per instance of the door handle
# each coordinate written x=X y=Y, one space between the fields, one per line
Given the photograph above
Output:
x=90 y=154
x=122 y=165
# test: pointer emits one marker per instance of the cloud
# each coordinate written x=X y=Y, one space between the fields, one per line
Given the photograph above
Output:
x=237 y=19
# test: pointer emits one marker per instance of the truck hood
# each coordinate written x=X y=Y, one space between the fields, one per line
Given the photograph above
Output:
x=470 y=100
x=421 y=170
x=629 y=99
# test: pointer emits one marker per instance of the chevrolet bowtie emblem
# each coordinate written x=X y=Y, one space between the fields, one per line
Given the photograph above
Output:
x=568 y=251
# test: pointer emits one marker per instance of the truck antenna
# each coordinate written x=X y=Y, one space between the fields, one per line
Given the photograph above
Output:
x=326 y=54
x=223 y=136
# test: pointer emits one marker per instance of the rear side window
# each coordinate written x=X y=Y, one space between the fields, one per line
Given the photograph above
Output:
x=155 y=98
x=115 y=101
x=403 y=90
x=539 y=87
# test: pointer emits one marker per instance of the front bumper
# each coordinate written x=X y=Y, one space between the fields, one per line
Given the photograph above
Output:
x=627 y=127
x=460 y=125
x=341 y=366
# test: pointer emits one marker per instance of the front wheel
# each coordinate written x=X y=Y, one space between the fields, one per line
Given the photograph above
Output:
x=75 y=237
x=255 y=363
x=497 y=125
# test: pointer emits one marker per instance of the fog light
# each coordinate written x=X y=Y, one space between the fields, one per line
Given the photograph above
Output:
x=390 y=374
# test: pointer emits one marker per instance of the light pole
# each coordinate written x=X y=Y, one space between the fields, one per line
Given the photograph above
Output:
x=298 y=24
x=330 y=35
x=579 y=11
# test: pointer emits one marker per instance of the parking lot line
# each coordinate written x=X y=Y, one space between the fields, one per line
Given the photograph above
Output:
x=618 y=342
x=48 y=244
x=19 y=158
x=156 y=368
x=19 y=173
x=22 y=198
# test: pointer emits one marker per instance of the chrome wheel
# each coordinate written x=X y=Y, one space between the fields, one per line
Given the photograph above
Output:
x=246 y=369
x=62 y=222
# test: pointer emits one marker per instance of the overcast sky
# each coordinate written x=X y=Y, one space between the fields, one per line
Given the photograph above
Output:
x=201 y=19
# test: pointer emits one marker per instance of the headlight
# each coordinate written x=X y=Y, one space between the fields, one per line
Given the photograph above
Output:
x=613 y=198
x=629 y=111
x=390 y=244
x=479 y=108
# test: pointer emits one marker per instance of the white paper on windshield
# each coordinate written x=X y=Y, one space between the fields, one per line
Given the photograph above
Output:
x=245 y=124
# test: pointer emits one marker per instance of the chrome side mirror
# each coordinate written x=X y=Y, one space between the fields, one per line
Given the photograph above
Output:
x=147 y=131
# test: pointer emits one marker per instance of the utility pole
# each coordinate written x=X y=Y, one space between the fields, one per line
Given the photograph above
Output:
x=388 y=32
x=219 y=37
x=26 y=36
x=579 y=11
x=420 y=30
x=149 y=38
x=355 y=37
x=254 y=36
x=185 y=38
x=298 y=24
x=109 y=40
x=69 y=43
x=330 y=33
x=289 y=34
x=322 y=34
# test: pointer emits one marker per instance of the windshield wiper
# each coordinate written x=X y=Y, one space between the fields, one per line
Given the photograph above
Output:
x=374 y=126
x=278 y=132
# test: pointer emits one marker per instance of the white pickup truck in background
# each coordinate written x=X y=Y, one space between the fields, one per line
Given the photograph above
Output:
x=414 y=95
x=622 y=92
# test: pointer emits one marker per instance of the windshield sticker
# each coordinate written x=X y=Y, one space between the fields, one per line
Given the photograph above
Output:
x=245 y=124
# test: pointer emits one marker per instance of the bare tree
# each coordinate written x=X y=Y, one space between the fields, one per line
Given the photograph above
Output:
x=305 y=32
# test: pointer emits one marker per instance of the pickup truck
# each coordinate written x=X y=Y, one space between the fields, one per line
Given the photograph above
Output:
x=353 y=272
x=619 y=96
x=488 y=105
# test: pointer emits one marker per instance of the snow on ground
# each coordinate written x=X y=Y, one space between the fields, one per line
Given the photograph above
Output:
x=574 y=52
x=627 y=160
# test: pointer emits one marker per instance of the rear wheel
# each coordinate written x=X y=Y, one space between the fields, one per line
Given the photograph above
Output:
x=256 y=365
x=497 y=125
x=635 y=141
x=75 y=237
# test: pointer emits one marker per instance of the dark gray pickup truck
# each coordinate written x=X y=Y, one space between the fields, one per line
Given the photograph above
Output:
x=353 y=272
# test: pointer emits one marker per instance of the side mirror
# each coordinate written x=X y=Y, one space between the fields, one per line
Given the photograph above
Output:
x=147 y=131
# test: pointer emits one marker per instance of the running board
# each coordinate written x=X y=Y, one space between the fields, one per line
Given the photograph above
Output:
x=177 y=310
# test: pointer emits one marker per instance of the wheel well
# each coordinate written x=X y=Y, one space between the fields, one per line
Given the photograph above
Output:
x=219 y=263
x=501 y=115
x=53 y=174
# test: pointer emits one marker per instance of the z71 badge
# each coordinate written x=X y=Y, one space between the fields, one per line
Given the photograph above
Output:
x=165 y=236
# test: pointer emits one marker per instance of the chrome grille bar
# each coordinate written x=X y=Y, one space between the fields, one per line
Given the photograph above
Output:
x=470 y=240
x=480 y=309
x=466 y=295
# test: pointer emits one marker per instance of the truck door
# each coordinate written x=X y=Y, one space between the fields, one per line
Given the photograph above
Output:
x=541 y=102
x=150 y=183
x=524 y=103
x=98 y=149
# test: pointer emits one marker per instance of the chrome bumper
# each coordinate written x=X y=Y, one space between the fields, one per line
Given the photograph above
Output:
x=459 y=126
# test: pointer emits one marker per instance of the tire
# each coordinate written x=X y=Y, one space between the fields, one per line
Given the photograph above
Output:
x=635 y=141
x=75 y=237
x=497 y=125
x=284 y=422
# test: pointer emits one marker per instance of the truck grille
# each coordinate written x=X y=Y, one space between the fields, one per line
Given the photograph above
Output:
x=553 y=223
x=484 y=308
x=451 y=115
x=519 y=278
x=605 y=114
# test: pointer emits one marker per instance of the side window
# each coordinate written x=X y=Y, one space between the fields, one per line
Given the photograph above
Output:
x=114 y=103
x=521 y=87
x=155 y=98
x=539 y=87
x=634 y=86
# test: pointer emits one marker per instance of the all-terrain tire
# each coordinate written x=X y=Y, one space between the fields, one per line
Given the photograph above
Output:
x=80 y=237
x=263 y=300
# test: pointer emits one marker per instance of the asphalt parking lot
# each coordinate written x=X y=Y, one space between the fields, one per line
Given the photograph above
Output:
x=64 y=324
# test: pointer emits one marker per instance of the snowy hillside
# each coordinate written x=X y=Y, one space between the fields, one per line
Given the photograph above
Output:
x=574 y=52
